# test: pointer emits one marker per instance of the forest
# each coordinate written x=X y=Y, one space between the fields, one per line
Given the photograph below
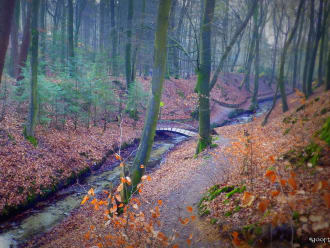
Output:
x=164 y=123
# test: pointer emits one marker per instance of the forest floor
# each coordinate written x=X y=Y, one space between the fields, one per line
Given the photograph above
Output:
x=277 y=174
x=63 y=152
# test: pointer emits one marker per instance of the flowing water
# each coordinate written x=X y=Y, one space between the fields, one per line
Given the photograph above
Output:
x=40 y=219
x=47 y=214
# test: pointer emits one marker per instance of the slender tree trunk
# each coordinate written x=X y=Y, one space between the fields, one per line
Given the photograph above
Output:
x=6 y=16
x=283 y=57
x=231 y=43
x=203 y=78
x=128 y=49
x=101 y=40
x=314 y=51
x=254 y=100
x=296 y=54
x=24 y=49
x=114 y=39
x=327 y=87
x=70 y=36
x=32 y=120
x=43 y=32
x=63 y=38
x=246 y=80
x=14 y=40
x=149 y=129
x=309 y=47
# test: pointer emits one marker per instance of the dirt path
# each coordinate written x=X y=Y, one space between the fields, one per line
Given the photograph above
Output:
x=182 y=185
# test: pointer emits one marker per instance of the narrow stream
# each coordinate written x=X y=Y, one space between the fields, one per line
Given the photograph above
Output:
x=41 y=219
x=47 y=214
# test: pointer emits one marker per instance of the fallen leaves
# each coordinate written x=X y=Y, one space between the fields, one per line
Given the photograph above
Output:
x=247 y=199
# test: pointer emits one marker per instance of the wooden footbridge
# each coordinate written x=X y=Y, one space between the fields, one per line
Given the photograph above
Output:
x=176 y=127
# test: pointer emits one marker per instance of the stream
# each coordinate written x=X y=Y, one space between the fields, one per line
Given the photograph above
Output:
x=45 y=215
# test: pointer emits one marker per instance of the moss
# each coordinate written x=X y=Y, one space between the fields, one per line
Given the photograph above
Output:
x=213 y=221
x=324 y=111
x=228 y=213
x=237 y=209
x=287 y=131
x=236 y=190
x=213 y=145
x=325 y=131
x=31 y=139
x=295 y=215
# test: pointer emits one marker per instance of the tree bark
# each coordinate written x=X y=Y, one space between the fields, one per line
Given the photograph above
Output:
x=70 y=36
x=309 y=47
x=231 y=44
x=203 y=78
x=254 y=103
x=283 y=57
x=314 y=50
x=296 y=66
x=14 y=40
x=149 y=129
x=128 y=49
x=24 y=49
x=33 y=112
x=114 y=39
x=6 y=16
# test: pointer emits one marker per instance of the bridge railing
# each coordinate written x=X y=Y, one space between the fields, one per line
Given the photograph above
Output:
x=177 y=124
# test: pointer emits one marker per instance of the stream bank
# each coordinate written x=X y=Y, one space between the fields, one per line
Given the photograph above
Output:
x=46 y=214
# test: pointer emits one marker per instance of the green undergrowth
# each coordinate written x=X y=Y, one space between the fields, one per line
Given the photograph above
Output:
x=214 y=192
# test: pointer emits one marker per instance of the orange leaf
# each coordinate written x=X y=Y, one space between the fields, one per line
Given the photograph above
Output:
x=292 y=183
x=99 y=245
x=193 y=217
x=91 y=192
x=274 y=193
x=122 y=164
x=283 y=182
x=236 y=240
x=84 y=200
x=272 y=159
x=184 y=221
x=118 y=197
x=189 y=241
x=141 y=166
x=247 y=199
x=88 y=235
x=326 y=198
x=160 y=202
x=162 y=236
x=117 y=156
x=175 y=246
x=273 y=178
x=189 y=209
x=148 y=178
x=263 y=205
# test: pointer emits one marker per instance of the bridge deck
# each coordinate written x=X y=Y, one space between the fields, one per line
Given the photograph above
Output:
x=177 y=130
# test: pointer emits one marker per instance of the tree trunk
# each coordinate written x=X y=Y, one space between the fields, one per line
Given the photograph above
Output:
x=6 y=16
x=203 y=78
x=323 y=42
x=283 y=57
x=231 y=44
x=314 y=51
x=70 y=37
x=43 y=34
x=24 y=49
x=128 y=49
x=309 y=47
x=101 y=40
x=114 y=39
x=63 y=38
x=149 y=129
x=33 y=112
x=14 y=40
x=296 y=54
x=254 y=100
